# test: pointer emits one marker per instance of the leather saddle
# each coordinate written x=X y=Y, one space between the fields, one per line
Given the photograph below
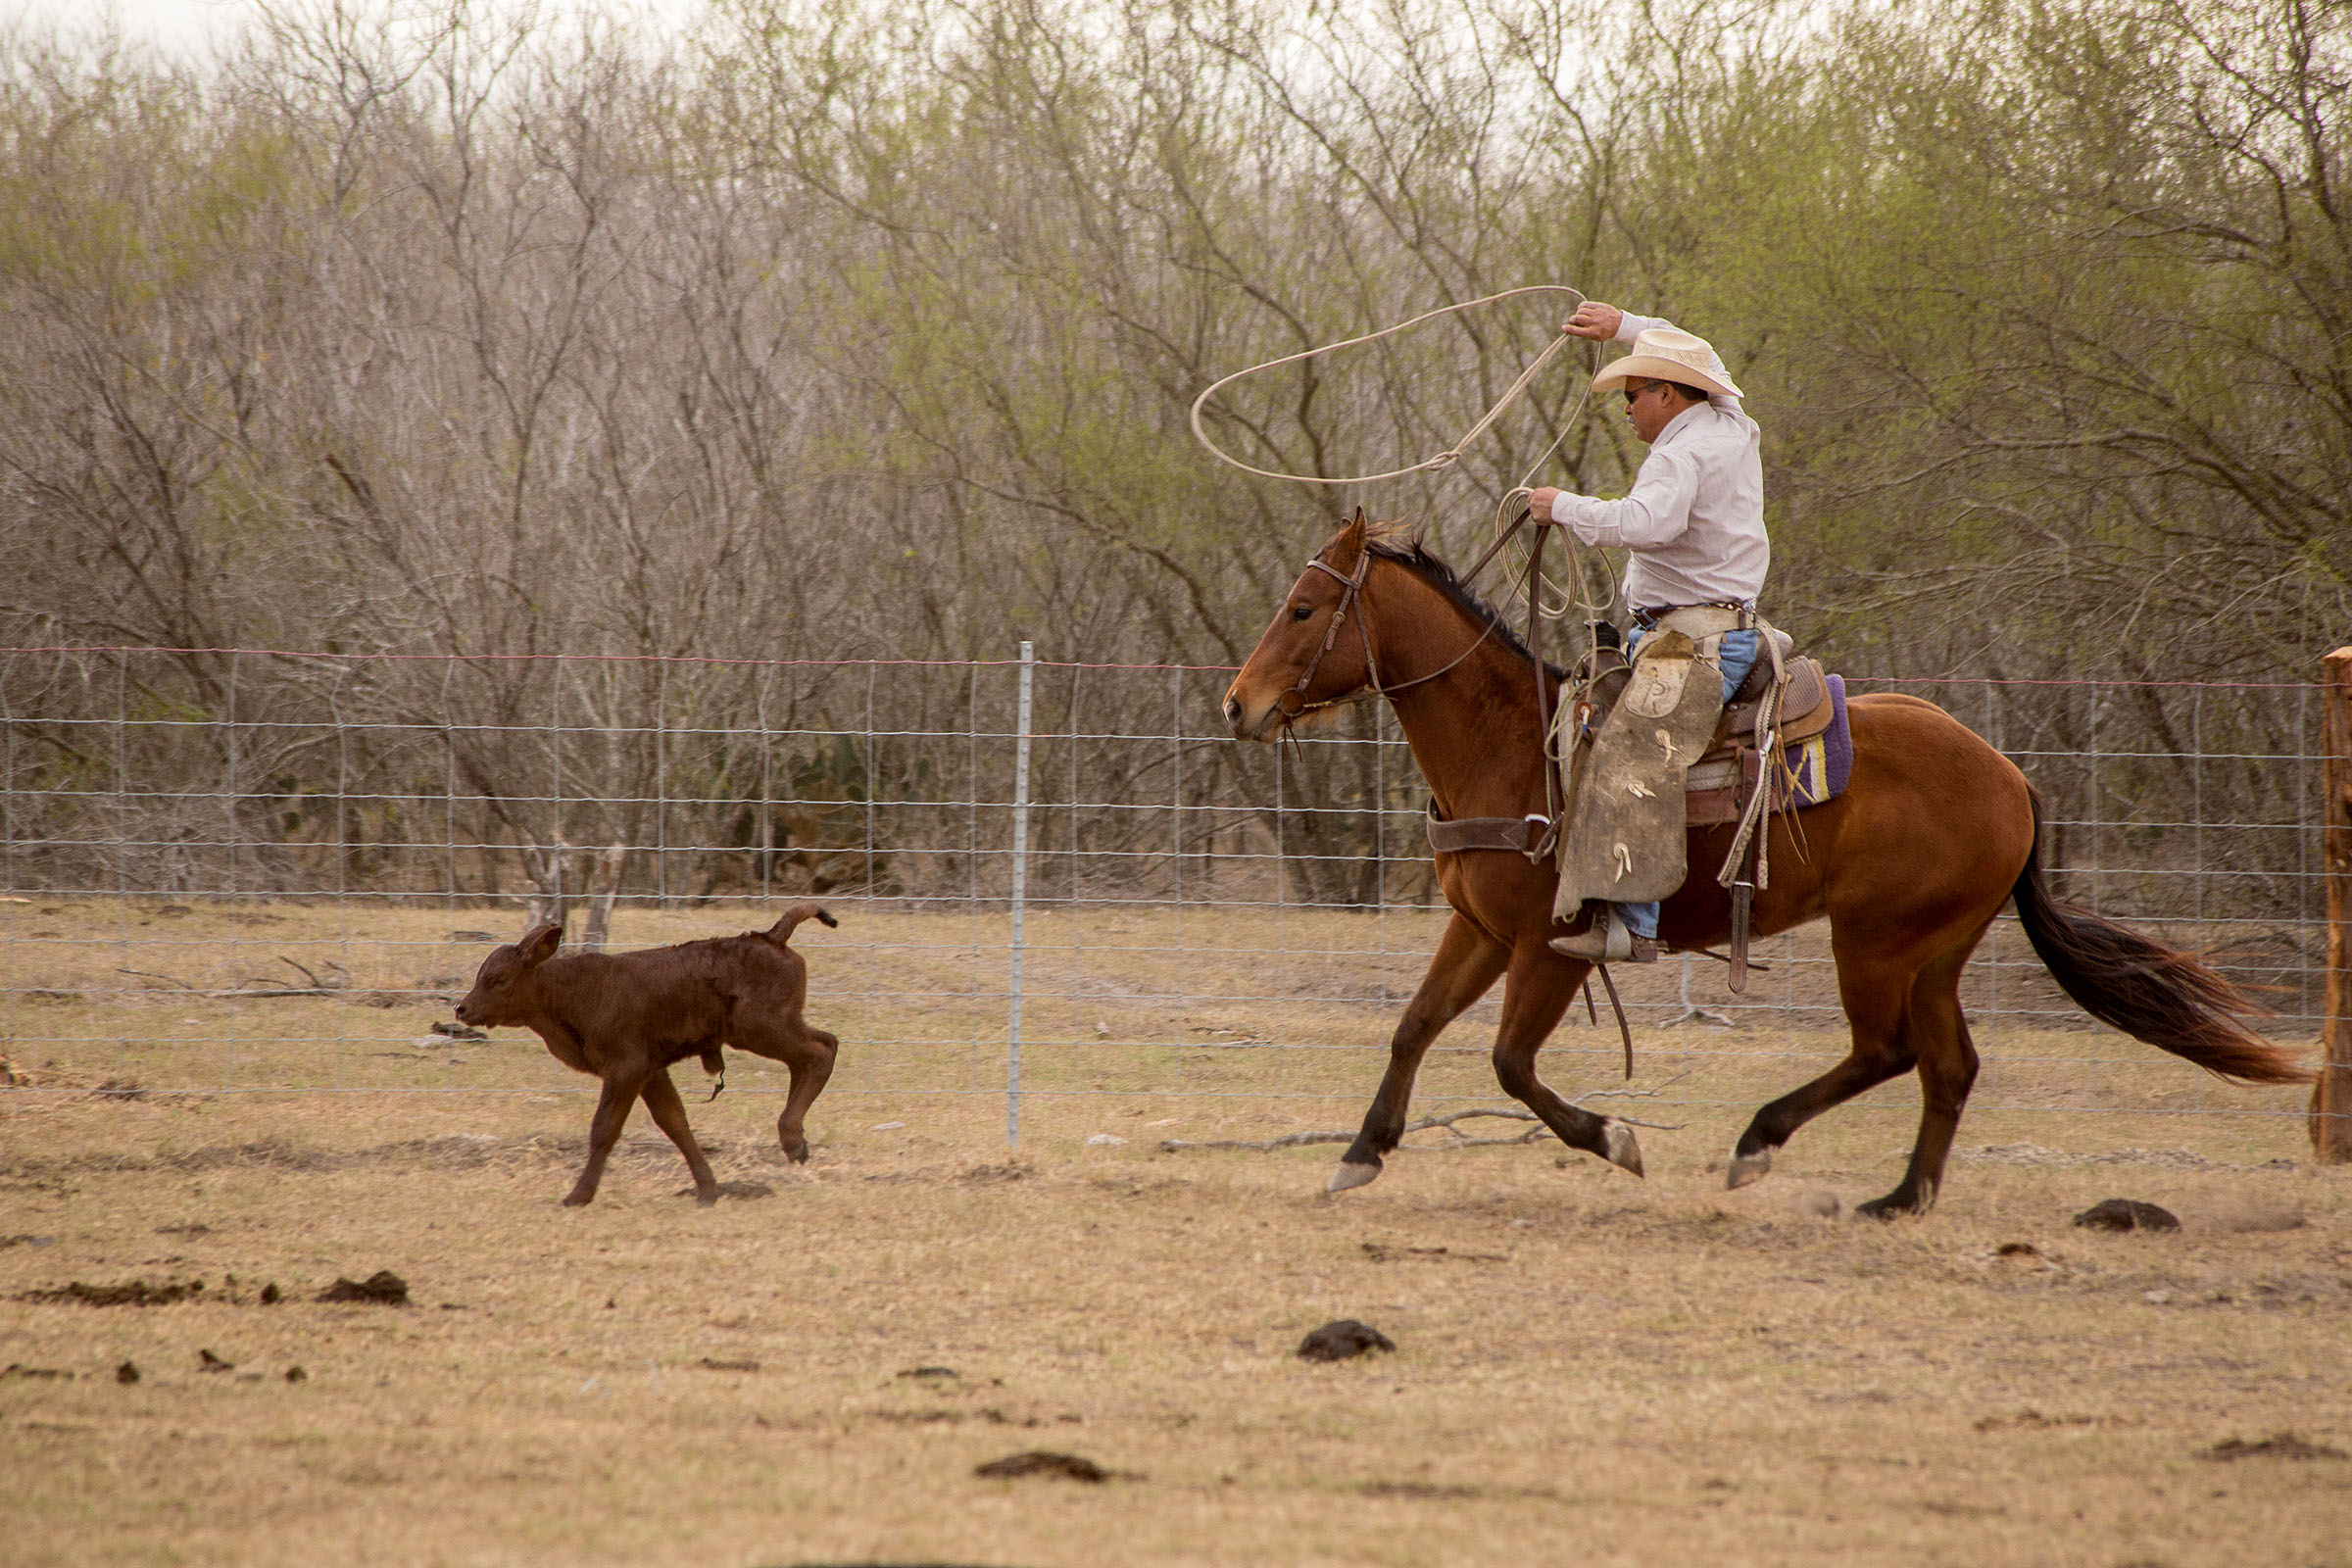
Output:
x=1805 y=707
x=1635 y=851
x=1715 y=787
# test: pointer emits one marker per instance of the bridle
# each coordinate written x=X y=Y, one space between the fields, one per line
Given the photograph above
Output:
x=1540 y=829
x=1292 y=704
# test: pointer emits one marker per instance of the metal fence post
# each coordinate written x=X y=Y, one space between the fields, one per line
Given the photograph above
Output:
x=2331 y=1096
x=1021 y=891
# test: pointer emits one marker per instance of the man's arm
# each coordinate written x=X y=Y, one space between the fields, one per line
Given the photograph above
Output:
x=1657 y=511
x=1607 y=323
x=1594 y=320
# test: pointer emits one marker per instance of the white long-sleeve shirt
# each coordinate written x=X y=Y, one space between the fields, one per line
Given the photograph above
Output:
x=1694 y=519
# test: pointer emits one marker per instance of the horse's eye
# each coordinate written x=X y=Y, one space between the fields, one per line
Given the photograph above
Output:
x=1301 y=611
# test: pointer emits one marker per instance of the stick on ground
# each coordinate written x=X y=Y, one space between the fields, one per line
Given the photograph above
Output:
x=1446 y=1123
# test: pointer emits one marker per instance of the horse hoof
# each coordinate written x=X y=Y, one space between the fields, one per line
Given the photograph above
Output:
x=1351 y=1176
x=1617 y=1140
x=1746 y=1168
x=1894 y=1206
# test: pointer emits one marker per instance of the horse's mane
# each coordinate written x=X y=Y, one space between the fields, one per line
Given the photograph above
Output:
x=1391 y=541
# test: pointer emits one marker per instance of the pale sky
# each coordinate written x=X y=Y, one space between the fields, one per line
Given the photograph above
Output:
x=185 y=26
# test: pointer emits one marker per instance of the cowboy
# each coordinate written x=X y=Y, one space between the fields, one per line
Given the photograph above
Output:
x=1694 y=524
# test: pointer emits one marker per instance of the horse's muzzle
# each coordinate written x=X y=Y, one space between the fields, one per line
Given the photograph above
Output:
x=1245 y=726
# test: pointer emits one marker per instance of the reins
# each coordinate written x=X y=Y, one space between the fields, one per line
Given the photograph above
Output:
x=1292 y=704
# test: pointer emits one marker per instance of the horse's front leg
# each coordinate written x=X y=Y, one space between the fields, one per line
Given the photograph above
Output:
x=1466 y=962
x=1540 y=985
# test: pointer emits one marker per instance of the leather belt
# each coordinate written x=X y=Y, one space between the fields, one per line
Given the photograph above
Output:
x=1647 y=616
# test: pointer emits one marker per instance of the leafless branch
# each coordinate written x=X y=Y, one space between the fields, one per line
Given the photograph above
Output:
x=1448 y=1123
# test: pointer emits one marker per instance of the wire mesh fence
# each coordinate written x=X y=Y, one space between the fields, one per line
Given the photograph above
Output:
x=251 y=871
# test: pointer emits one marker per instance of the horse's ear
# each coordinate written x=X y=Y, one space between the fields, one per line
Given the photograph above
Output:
x=1351 y=543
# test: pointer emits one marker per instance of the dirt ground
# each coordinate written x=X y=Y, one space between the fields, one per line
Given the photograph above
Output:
x=1588 y=1367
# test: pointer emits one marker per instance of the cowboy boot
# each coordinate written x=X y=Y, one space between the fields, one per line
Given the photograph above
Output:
x=1606 y=940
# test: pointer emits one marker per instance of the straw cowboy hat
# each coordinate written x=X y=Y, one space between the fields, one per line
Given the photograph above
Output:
x=1668 y=354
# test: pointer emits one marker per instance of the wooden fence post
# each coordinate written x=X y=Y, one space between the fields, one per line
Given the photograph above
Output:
x=2331 y=1096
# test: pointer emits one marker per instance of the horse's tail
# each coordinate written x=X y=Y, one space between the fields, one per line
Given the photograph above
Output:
x=2170 y=1000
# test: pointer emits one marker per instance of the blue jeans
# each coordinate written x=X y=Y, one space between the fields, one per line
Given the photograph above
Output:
x=1737 y=655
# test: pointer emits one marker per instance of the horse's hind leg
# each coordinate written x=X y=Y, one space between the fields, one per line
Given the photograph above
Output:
x=1538 y=990
x=1948 y=1069
x=1876 y=995
x=1465 y=964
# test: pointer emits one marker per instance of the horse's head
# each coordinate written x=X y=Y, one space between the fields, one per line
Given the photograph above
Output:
x=1310 y=660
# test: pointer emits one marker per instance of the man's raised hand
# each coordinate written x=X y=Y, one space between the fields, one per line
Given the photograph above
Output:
x=1595 y=321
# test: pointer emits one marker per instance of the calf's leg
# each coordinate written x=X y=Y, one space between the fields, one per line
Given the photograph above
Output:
x=613 y=1108
x=669 y=1115
x=811 y=1064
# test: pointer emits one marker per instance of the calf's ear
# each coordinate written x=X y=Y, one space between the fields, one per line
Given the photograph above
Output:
x=539 y=944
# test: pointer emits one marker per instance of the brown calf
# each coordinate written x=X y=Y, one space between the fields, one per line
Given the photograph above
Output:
x=626 y=1017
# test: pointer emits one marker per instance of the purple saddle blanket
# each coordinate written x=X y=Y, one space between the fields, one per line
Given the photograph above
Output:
x=1819 y=767
x=1814 y=773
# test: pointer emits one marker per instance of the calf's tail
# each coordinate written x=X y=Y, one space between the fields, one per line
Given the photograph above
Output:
x=781 y=931
x=2170 y=1000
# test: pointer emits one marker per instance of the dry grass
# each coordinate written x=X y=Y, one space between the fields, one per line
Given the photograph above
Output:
x=1592 y=1370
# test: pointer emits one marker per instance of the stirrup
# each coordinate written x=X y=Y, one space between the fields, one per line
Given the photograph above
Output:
x=1607 y=940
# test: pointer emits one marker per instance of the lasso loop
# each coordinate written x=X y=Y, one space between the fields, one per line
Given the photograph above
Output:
x=1555 y=600
x=1444 y=460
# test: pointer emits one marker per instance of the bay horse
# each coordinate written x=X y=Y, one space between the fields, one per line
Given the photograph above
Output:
x=1935 y=831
